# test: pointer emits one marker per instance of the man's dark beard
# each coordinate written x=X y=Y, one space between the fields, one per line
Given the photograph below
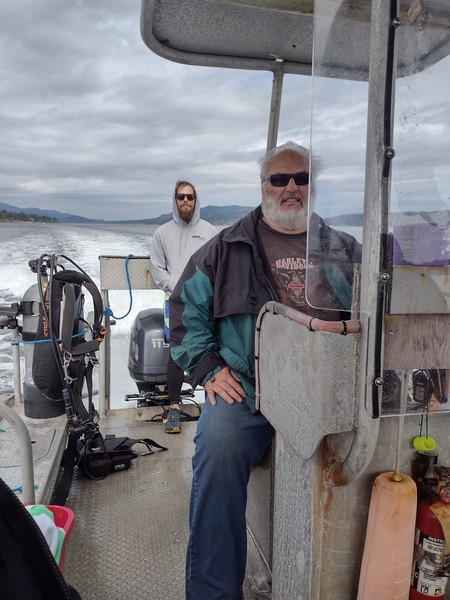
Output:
x=185 y=215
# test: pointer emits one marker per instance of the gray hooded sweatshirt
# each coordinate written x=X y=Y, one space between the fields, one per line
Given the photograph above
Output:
x=174 y=243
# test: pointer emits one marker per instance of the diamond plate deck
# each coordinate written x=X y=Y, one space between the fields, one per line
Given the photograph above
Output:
x=131 y=529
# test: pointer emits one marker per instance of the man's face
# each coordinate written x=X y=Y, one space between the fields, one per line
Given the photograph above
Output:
x=286 y=206
x=185 y=205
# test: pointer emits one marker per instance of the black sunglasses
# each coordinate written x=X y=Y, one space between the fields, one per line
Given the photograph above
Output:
x=282 y=179
x=187 y=196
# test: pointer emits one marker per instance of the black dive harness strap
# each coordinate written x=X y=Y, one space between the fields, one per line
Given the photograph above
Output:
x=61 y=491
x=86 y=448
x=76 y=357
x=77 y=371
x=108 y=451
x=97 y=457
x=124 y=443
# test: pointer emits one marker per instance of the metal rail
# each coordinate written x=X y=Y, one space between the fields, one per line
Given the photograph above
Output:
x=26 y=453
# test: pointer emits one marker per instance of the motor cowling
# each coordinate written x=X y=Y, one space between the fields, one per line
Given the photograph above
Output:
x=148 y=352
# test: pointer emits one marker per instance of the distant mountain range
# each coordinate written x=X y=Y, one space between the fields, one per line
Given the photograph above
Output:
x=224 y=215
x=54 y=214
x=218 y=215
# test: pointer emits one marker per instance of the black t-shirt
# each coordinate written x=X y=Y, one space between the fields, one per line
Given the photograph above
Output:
x=286 y=265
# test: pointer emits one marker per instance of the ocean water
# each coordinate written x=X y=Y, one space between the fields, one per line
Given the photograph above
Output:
x=20 y=243
x=356 y=232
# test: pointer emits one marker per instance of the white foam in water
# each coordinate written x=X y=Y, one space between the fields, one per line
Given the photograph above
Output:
x=21 y=243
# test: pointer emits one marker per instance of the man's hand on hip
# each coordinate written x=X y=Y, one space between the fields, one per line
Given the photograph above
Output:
x=226 y=385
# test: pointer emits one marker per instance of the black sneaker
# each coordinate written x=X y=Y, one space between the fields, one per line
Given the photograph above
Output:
x=173 y=424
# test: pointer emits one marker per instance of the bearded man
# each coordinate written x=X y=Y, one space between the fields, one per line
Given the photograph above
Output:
x=172 y=245
x=213 y=309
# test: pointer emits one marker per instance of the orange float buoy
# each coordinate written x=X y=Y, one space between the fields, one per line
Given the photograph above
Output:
x=388 y=551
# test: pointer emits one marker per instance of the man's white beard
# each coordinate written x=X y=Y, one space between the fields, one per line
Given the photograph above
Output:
x=296 y=217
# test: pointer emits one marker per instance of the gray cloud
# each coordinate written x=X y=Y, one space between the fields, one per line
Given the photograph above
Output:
x=95 y=124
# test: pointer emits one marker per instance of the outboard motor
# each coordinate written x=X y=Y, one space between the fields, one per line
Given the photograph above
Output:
x=149 y=353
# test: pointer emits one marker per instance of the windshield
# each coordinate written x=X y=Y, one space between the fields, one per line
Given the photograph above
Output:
x=338 y=142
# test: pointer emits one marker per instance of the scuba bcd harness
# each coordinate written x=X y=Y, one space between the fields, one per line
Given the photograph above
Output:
x=61 y=365
x=64 y=354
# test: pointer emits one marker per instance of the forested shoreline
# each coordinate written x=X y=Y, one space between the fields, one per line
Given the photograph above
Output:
x=12 y=217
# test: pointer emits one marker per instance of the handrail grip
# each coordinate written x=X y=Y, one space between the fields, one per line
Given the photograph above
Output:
x=312 y=323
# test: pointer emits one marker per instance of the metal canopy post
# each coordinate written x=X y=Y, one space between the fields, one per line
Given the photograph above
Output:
x=275 y=107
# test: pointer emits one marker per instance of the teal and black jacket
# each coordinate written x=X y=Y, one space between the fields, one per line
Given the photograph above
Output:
x=214 y=306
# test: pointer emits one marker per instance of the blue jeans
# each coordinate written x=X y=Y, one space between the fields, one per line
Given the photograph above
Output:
x=229 y=442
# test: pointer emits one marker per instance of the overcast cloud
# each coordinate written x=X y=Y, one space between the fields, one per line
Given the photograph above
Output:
x=93 y=123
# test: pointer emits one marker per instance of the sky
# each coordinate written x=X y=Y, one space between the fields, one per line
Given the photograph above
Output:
x=94 y=124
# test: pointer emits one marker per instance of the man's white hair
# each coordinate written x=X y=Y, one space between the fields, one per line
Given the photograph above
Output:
x=291 y=147
x=297 y=217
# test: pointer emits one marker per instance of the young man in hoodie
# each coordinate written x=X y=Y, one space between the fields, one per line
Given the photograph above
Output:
x=172 y=246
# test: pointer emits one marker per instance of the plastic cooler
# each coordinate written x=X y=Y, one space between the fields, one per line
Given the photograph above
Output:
x=65 y=519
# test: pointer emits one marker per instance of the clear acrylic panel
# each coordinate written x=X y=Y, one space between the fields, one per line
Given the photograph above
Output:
x=338 y=142
x=426 y=390
x=420 y=195
x=419 y=216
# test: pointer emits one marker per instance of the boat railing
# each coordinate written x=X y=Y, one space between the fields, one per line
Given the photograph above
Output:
x=9 y=320
x=25 y=450
x=118 y=273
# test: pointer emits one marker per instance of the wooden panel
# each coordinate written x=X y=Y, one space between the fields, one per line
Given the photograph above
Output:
x=417 y=342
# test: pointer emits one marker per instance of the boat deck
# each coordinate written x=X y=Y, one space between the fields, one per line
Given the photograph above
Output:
x=131 y=528
x=48 y=442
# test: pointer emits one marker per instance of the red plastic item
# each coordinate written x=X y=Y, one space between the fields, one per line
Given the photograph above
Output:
x=429 y=540
x=64 y=518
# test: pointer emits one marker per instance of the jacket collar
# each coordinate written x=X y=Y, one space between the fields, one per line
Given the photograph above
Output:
x=245 y=230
